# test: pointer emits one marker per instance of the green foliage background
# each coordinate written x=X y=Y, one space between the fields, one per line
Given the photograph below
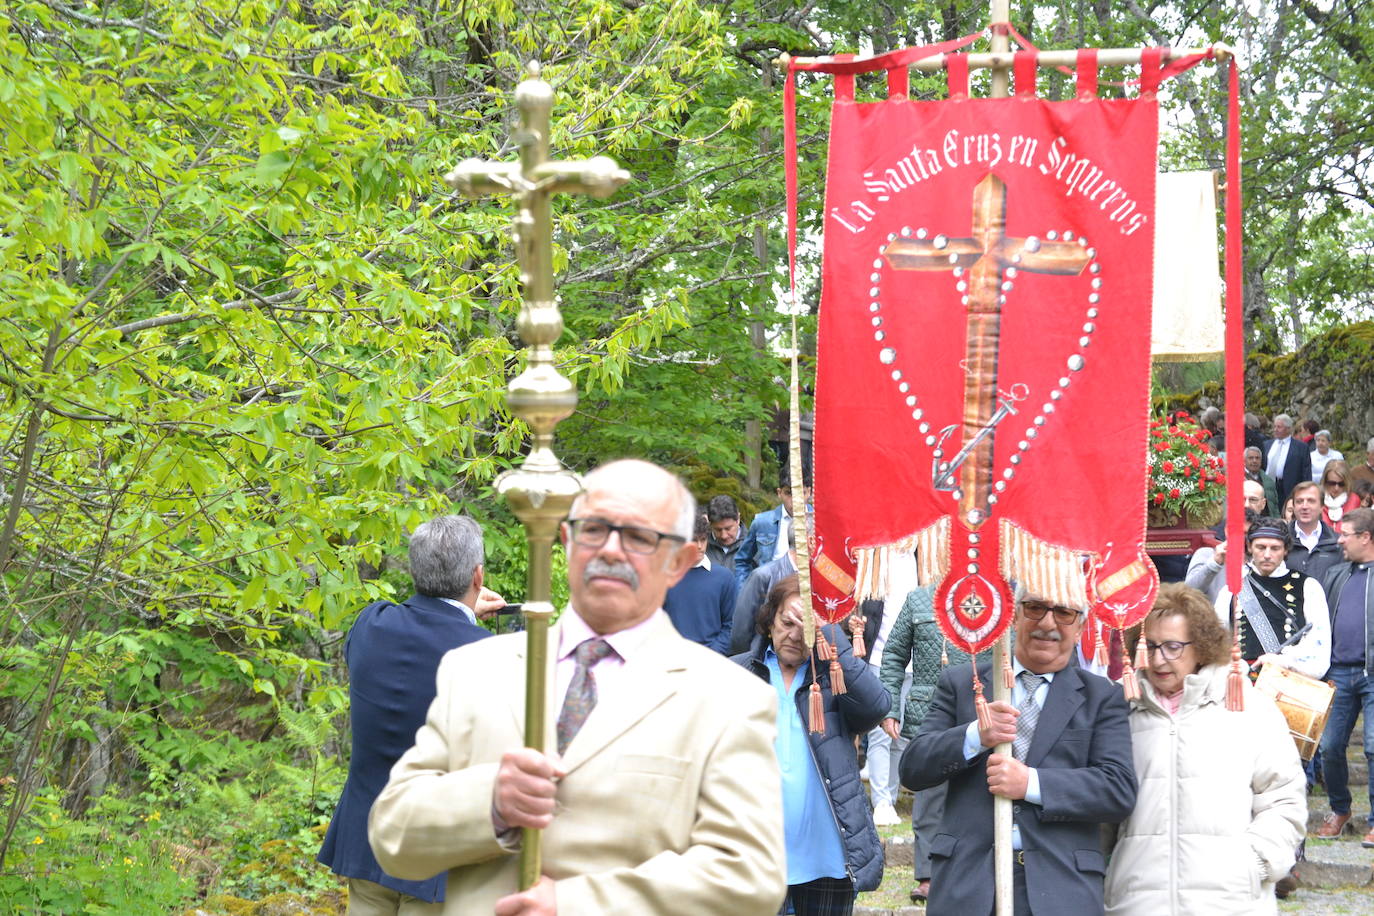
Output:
x=248 y=340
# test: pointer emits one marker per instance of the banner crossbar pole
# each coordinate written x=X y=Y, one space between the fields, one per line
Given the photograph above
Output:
x=1106 y=57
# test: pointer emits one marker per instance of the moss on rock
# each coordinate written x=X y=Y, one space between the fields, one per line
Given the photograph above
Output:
x=1328 y=379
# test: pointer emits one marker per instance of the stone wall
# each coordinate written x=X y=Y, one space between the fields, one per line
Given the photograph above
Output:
x=1329 y=379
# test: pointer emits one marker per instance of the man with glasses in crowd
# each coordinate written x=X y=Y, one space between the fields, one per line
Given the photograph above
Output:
x=667 y=800
x=1069 y=772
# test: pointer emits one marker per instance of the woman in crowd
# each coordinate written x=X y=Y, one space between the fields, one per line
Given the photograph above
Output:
x=1364 y=490
x=1337 y=498
x=1222 y=799
x=833 y=850
x=1323 y=453
x=1307 y=432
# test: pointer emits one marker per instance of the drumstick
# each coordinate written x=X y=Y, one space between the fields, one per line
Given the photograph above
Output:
x=1292 y=640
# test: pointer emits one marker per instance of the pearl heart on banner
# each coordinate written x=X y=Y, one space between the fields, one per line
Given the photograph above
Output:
x=888 y=355
x=974 y=600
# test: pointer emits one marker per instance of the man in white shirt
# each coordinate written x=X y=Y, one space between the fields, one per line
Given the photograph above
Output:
x=1314 y=548
x=1288 y=461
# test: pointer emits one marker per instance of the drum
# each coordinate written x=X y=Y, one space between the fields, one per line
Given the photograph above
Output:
x=1304 y=702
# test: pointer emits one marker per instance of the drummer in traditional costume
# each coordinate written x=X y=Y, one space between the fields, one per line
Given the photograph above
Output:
x=1282 y=616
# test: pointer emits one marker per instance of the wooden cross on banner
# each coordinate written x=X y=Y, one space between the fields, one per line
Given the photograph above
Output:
x=992 y=260
x=541 y=491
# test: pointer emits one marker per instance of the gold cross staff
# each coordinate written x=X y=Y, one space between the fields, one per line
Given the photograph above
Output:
x=989 y=255
x=541 y=491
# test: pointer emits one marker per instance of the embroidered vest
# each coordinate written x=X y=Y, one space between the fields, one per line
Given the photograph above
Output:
x=1275 y=593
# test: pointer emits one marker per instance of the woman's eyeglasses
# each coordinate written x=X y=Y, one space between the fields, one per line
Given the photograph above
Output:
x=1171 y=649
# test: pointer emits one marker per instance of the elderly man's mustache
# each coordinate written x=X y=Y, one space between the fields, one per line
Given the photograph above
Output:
x=1050 y=635
x=598 y=568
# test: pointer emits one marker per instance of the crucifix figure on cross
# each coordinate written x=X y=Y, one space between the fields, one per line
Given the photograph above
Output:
x=991 y=260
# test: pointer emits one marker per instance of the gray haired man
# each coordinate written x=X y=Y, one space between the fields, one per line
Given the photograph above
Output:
x=393 y=653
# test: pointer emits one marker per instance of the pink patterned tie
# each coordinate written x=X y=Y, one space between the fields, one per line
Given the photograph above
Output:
x=581 y=698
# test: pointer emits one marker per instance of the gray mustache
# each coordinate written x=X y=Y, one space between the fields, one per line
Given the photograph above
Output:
x=599 y=568
x=1048 y=635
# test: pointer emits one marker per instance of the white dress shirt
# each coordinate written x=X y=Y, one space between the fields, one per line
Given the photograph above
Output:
x=1278 y=457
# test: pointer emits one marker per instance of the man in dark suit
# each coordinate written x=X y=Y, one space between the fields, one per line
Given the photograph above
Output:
x=1070 y=771
x=393 y=652
x=1286 y=459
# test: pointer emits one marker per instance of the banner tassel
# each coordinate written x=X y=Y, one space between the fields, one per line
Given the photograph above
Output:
x=823 y=647
x=817 y=710
x=944 y=653
x=1008 y=674
x=1129 y=686
x=1101 y=654
x=1235 y=681
x=980 y=703
x=856 y=629
x=837 y=678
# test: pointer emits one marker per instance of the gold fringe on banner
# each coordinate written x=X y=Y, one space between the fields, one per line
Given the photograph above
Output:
x=932 y=552
x=873 y=566
x=1042 y=569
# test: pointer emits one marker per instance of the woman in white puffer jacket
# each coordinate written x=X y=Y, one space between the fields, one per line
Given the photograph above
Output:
x=1222 y=801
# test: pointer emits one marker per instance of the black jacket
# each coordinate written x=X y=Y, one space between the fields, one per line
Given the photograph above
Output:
x=847 y=715
x=1321 y=558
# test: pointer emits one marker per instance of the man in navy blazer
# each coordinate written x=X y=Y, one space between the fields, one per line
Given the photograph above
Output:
x=393 y=653
x=1075 y=774
x=1286 y=459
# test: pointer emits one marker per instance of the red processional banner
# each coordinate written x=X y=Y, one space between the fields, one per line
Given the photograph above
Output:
x=983 y=359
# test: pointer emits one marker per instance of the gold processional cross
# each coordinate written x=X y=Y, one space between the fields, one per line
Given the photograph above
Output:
x=541 y=491
x=992 y=260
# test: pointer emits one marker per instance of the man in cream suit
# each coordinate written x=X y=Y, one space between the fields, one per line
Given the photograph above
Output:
x=666 y=796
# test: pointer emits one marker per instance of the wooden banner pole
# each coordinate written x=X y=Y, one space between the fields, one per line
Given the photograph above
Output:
x=1001 y=807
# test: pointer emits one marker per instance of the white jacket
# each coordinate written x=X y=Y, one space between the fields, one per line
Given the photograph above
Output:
x=1221 y=807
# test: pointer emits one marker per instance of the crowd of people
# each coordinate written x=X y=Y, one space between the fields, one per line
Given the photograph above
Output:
x=704 y=760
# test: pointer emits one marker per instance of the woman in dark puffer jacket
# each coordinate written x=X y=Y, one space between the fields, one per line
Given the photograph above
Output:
x=833 y=850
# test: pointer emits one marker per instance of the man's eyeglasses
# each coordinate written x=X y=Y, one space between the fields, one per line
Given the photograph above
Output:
x=1171 y=649
x=1036 y=610
x=593 y=532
